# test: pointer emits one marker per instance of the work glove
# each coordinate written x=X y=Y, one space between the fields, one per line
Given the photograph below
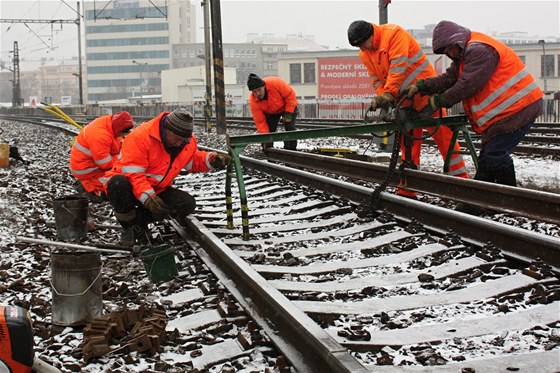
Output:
x=220 y=161
x=419 y=86
x=381 y=101
x=157 y=207
x=266 y=145
x=435 y=102
x=287 y=117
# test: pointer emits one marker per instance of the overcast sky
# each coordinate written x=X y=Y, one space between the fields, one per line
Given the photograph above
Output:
x=327 y=20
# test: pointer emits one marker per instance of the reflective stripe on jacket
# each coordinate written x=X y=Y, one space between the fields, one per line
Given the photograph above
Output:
x=396 y=62
x=510 y=89
x=94 y=152
x=147 y=164
x=280 y=98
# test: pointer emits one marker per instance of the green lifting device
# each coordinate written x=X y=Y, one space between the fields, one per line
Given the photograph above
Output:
x=237 y=143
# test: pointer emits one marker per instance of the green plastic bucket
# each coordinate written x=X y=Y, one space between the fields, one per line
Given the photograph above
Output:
x=159 y=262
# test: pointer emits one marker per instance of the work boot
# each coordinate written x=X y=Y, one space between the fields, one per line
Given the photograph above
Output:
x=133 y=235
x=134 y=230
x=506 y=176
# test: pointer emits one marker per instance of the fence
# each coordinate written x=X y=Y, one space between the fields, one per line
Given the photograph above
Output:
x=308 y=109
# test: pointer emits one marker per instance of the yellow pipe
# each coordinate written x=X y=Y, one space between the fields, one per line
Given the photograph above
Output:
x=59 y=113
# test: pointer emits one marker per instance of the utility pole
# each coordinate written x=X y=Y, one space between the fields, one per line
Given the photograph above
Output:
x=218 y=67
x=80 y=75
x=383 y=11
x=61 y=21
x=16 y=90
x=207 y=59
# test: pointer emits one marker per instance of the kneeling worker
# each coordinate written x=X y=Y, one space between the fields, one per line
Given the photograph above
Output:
x=153 y=154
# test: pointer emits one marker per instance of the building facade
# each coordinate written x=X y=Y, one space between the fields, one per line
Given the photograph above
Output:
x=128 y=44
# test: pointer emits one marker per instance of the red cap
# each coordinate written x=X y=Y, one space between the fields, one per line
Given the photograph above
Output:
x=121 y=121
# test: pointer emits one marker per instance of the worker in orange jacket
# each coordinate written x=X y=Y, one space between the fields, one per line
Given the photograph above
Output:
x=395 y=60
x=140 y=188
x=95 y=151
x=273 y=101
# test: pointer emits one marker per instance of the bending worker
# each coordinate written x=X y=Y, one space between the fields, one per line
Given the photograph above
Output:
x=153 y=154
x=500 y=97
x=394 y=60
x=273 y=101
x=95 y=151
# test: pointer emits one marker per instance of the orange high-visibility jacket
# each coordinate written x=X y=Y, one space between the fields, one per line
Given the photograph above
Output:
x=396 y=62
x=94 y=152
x=510 y=89
x=147 y=164
x=280 y=98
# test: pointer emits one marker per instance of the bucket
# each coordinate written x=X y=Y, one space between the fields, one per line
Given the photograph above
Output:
x=4 y=155
x=70 y=215
x=76 y=287
x=159 y=262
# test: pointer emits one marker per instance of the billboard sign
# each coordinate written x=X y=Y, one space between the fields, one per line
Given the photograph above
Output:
x=343 y=79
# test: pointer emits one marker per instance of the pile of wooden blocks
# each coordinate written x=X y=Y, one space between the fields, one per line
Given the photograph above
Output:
x=141 y=330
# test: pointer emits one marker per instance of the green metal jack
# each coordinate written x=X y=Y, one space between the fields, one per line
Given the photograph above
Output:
x=236 y=145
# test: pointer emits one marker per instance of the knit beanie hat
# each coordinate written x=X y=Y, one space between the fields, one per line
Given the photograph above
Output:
x=180 y=122
x=358 y=32
x=121 y=121
x=254 y=82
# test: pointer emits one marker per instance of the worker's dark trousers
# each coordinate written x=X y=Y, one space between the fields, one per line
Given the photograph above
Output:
x=272 y=121
x=495 y=164
x=119 y=192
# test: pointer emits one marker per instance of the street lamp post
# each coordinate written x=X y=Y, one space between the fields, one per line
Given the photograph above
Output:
x=141 y=76
x=542 y=42
x=79 y=76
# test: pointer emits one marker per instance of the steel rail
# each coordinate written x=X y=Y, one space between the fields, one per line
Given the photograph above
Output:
x=517 y=243
x=308 y=347
x=530 y=203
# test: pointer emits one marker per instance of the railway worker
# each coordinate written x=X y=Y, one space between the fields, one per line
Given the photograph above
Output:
x=273 y=101
x=394 y=60
x=140 y=189
x=500 y=97
x=95 y=151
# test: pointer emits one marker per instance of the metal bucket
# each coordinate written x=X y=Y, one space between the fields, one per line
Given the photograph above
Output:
x=70 y=215
x=76 y=287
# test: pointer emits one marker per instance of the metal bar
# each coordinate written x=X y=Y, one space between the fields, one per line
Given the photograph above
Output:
x=70 y=245
x=342 y=131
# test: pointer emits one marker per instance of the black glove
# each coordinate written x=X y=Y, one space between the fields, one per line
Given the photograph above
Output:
x=287 y=117
x=157 y=207
x=220 y=161
x=381 y=101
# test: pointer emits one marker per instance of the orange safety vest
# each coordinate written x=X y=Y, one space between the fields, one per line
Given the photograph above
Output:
x=396 y=62
x=148 y=166
x=280 y=98
x=510 y=89
x=94 y=152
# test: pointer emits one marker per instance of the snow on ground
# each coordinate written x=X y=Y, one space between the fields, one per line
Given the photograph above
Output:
x=532 y=172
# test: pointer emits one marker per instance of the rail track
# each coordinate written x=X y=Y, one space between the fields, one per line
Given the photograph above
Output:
x=413 y=287
x=543 y=138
